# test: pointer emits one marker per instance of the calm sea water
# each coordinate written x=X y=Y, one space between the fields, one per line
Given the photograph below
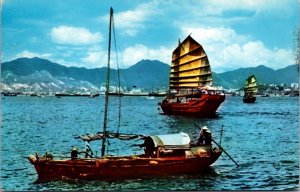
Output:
x=262 y=137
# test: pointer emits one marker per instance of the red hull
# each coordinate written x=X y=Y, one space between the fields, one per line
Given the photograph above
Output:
x=121 y=168
x=206 y=105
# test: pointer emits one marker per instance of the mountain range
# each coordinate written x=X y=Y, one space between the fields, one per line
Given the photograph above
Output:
x=41 y=75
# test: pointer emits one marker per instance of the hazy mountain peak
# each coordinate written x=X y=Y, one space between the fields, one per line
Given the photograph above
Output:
x=146 y=73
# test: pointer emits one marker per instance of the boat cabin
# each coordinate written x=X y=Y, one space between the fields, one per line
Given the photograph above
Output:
x=156 y=146
x=166 y=145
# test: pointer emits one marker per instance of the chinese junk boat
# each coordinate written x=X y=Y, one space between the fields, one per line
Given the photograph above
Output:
x=250 y=90
x=163 y=154
x=190 y=91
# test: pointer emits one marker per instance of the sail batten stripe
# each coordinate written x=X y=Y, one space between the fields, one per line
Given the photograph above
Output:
x=196 y=79
x=200 y=57
x=187 y=70
x=191 y=80
x=198 y=67
x=190 y=76
x=184 y=83
x=189 y=52
x=185 y=87
x=191 y=61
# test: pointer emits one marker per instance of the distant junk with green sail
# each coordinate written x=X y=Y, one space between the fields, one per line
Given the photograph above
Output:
x=250 y=90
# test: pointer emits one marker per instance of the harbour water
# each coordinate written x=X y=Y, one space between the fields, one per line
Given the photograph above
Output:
x=263 y=138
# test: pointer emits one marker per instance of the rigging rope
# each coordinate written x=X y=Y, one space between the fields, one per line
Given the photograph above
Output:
x=118 y=71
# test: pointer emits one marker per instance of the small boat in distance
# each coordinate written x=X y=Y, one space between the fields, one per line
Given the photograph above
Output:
x=190 y=91
x=150 y=97
x=250 y=90
x=265 y=95
x=163 y=155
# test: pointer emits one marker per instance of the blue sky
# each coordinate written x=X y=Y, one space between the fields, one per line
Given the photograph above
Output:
x=234 y=33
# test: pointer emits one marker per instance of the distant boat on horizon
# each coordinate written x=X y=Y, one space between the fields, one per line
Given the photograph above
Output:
x=190 y=87
x=265 y=95
x=150 y=97
x=250 y=90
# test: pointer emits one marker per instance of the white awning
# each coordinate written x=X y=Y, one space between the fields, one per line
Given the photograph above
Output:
x=179 y=139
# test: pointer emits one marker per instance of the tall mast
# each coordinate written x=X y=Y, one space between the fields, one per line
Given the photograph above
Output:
x=107 y=85
x=118 y=70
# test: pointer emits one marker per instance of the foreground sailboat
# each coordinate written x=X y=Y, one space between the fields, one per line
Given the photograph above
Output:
x=250 y=90
x=190 y=83
x=163 y=154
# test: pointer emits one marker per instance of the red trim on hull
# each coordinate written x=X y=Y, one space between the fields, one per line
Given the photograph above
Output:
x=121 y=168
x=206 y=105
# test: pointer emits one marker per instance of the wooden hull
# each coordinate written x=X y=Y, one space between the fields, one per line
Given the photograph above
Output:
x=249 y=99
x=120 y=168
x=206 y=105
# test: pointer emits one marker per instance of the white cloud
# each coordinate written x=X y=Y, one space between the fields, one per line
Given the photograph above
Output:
x=74 y=35
x=94 y=59
x=29 y=54
x=258 y=6
x=252 y=54
x=210 y=35
x=221 y=12
x=228 y=50
x=134 y=54
x=132 y=21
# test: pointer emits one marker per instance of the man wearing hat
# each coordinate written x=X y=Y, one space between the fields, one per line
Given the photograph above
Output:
x=207 y=139
x=204 y=136
x=74 y=153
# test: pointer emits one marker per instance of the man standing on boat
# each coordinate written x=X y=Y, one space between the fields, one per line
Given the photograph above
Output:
x=88 y=150
x=204 y=136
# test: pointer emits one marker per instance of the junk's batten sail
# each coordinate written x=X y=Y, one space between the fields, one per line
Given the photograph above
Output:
x=250 y=90
x=191 y=91
x=190 y=66
x=251 y=84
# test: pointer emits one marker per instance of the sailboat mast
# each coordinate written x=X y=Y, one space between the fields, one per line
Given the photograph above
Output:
x=107 y=86
x=118 y=70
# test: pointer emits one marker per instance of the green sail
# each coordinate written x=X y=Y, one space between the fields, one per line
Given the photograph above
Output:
x=251 y=85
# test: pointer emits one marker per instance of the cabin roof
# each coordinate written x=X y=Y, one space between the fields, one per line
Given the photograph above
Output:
x=179 y=139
